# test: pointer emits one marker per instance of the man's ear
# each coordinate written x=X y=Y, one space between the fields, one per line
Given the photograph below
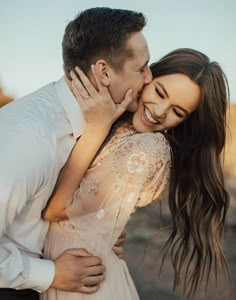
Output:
x=103 y=72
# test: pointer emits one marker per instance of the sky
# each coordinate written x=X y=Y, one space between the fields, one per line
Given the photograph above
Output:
x=31 y=32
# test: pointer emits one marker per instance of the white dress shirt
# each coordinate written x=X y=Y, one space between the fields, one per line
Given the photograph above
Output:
x=37 y=134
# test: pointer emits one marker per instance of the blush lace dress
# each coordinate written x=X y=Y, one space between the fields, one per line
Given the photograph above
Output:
x=130 y=171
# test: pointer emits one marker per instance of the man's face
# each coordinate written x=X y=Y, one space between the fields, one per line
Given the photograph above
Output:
x=134 y=74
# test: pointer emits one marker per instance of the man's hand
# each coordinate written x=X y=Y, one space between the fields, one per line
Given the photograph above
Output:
x=78 y=271
x=118 y=247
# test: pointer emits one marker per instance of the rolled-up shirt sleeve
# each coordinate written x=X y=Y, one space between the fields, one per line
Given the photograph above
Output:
x=24 y=272
x=25 y=160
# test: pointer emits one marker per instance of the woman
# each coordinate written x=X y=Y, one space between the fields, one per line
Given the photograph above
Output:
x=132 y=168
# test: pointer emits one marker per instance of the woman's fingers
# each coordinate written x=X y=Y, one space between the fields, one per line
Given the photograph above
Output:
x=121 y=108
x=86 y=82
x=78 y=87
x=78 y=96
x=97 y=104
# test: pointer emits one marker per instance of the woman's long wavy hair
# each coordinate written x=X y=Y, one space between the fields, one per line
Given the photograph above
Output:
x=198 y=200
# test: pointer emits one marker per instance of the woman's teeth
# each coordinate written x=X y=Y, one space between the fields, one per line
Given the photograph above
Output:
x=149 y=116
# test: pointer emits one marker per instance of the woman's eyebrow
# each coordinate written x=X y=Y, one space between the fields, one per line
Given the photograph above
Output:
x=163 y=88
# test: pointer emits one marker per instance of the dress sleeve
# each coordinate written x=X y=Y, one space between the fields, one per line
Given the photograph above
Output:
x=132 y=170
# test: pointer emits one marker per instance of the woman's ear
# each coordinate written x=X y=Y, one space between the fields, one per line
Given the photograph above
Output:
x=102 y=70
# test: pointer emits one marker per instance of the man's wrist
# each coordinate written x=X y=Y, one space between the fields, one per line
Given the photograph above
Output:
x=41 y=274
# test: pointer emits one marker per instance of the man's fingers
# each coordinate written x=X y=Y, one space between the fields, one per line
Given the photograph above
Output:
x=75 y=268
x=118 y=250
x=93 y=280
x=94 y=270
x=88 y=289
x=123 y=234
x=120 y=242
x=79 y=252
x=118 y=247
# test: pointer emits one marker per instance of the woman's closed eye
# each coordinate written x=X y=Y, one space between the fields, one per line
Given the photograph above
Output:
x=159 y=93
x=180 y=115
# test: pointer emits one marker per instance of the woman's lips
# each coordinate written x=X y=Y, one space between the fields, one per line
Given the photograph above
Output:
x=147 y=118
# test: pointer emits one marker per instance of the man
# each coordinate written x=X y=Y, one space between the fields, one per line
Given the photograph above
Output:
x=37 y=134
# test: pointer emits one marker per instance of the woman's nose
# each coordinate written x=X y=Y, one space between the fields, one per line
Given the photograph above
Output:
x=160 y=110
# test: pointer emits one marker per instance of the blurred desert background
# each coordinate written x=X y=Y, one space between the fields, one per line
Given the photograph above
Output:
x=145 y=223
x=4 y=99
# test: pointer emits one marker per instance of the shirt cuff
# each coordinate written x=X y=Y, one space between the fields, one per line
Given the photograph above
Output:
x=41 y=274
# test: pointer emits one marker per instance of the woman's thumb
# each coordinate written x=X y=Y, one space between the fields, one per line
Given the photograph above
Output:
x=127 y=100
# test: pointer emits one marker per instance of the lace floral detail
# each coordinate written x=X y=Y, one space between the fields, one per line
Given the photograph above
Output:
x=94 y=187
x=101 y=214
x=137 y=162
x=145 y=154
x=159 y=164
x=128 y=162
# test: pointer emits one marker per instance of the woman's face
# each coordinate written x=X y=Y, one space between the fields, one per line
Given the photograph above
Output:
x=166 y=102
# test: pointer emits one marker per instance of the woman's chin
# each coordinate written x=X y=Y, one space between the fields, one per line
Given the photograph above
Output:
x=140 y=127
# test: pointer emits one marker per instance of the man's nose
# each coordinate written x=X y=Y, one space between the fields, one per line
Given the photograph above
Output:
x=147 y=75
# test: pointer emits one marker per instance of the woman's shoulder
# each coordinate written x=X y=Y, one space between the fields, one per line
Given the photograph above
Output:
x=154 y=143
x=144 y=153
x=155 y=138
x=124 y=141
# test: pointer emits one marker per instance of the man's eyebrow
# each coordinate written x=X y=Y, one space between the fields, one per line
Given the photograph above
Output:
x=163 y=88
x=145 y=64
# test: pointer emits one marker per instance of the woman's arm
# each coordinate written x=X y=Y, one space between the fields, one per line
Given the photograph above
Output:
x=100 y=112
x=72 y=173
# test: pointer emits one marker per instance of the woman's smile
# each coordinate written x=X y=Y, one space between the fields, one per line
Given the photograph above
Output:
x=166 y=102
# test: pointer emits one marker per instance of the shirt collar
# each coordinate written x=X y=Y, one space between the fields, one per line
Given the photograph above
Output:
x=71 y=107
